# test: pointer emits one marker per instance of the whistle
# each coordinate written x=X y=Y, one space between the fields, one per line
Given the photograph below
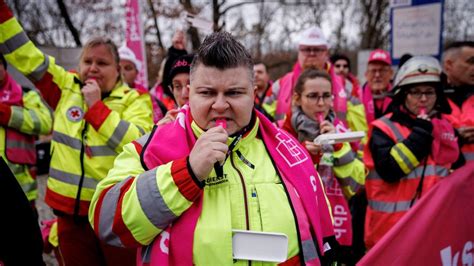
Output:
x=422 y=111
x=221 y=122
x=320 y=117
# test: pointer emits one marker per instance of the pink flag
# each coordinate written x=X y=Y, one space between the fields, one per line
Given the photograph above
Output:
x=439 y=230
x=135 y=39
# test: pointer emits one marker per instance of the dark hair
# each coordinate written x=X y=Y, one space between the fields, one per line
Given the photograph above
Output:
x=453 y=49
x=336 y=57
x=181 y=65
x=441 y=104
x=310 y=74
x=222 y=51
x=461 y=44
x=403 y=59
x=259 y=62
x=4 y=62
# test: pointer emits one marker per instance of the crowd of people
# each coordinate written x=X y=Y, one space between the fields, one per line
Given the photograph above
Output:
x=170 y=175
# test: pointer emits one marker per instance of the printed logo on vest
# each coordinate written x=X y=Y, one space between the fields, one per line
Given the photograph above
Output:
x=290 y=150
x=75 y=114
x=216 y=180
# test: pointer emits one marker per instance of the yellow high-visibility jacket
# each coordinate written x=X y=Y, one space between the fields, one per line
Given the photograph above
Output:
x=85 y=140
x=33 y=118
x=249 y=196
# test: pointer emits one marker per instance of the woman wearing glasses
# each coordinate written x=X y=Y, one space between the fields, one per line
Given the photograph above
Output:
x=409 y=149
x=341 y=172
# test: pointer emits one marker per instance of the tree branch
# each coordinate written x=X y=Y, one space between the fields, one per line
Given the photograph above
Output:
x=67 y=20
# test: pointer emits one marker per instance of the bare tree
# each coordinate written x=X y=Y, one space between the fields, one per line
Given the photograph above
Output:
x=220 y=9
x=69 y=24
x=192 y=32
x=155 y=24
x=374 y=23
x=343 y=10
x=458 y=20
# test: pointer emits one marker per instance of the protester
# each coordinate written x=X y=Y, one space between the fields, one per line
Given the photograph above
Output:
x=129 y=68
x=96 y=114
x=342 y=67
x=177 y=49
x=458 y=65
x=313 y=53
x=23 y=116
x=221 y=166
x=374 y=91
x=179 y=75
x=343 y=175
x=264 y=87
x=409 y=149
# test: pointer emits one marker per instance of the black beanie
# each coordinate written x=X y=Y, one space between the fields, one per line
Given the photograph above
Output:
x=181 y=65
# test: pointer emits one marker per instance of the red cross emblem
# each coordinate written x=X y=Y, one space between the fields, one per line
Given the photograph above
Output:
x=75 y=114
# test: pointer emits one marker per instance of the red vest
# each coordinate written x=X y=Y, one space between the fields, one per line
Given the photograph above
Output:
x=388 y=202
x=461 y=117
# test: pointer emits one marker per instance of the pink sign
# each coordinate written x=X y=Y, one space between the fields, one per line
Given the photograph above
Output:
x=439 y=230
x=134 y=37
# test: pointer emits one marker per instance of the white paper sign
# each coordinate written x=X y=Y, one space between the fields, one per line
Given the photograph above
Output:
x=417 y=30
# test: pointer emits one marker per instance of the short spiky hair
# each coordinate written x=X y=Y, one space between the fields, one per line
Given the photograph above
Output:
x=222 y=51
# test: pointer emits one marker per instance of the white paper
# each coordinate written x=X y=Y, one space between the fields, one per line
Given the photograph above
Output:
x=416 y=30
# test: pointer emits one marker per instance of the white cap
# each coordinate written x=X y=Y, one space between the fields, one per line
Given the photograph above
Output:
x=313 y=37
x=126 y=53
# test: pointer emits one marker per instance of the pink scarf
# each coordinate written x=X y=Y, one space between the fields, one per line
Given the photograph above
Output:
x=10 y=92
x=368 y=101
x=174 y=246
x=340 y=95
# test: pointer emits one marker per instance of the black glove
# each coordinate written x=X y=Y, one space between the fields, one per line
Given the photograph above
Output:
x=333 y=254
x=424 y=124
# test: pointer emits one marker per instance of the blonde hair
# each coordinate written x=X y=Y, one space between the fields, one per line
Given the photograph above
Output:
x=109 y=44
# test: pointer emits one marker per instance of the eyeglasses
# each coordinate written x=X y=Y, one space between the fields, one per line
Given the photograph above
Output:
x=341 y=66
x=314 y=97
x=314 y=50
x=417 y=94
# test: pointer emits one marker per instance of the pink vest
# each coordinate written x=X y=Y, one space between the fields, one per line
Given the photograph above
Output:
x=292 y=162
x=288 y=82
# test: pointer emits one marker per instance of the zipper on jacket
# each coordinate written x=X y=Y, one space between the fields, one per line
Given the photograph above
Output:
x=247 y=223
x=81 y=180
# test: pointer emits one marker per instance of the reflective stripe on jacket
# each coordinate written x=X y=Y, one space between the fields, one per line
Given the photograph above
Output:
x=32 y=118
x=388 y=202
x=250 y=195
x=85 y=141
x=461 y=117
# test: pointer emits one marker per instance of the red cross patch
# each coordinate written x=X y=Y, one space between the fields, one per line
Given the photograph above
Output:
x=75 y=114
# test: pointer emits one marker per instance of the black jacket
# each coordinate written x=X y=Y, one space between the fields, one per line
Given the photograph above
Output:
x=418 y=142
x=20 y=235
